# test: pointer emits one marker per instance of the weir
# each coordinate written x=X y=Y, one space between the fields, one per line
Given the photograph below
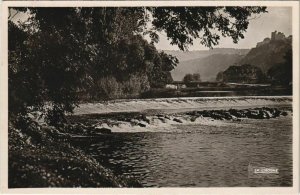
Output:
x=165 y=104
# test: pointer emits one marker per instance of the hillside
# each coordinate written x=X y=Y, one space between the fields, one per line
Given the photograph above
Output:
x=269 y=52
x=187 y=55
x=190 y=55
x=206 y=63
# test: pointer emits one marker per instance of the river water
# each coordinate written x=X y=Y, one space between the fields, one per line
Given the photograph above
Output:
x=200 y=155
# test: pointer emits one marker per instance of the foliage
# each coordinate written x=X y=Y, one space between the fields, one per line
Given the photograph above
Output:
x=135 y=85
x=184 y=24
x=191 y=77
x=48 y=63
x=110 y=88
x=219 y=76
x=160 y=74
x=242 y=74
x=283 y=73
x=37 y=160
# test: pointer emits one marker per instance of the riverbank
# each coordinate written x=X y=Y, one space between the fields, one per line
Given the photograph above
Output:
x=41 y=156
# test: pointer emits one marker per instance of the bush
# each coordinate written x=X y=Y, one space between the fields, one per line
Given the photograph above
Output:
x=191 y=77
x=109 y=88
x=135 y=85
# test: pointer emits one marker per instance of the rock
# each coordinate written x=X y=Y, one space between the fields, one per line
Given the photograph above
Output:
x=127 y=119
x=194 y=113
x=103 y=130
x=162 y=119
x=234 y=118
x=276 y=113
x=267 y=115
x=177 y=120
x=205 y=113
x=216 y=116
x=284 y=113
x=237 y=113
x=144 y=118
x=141 y=125
x=227 y=115
x=261 y=114
x=193 y=119
x=167 y=117
x=253 y=114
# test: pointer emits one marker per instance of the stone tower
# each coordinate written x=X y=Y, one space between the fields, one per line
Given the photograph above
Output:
x=273 y=34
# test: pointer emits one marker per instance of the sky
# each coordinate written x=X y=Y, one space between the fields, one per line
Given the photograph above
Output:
x=277 y=18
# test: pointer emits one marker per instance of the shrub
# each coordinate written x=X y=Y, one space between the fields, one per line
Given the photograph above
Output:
x=108 y=87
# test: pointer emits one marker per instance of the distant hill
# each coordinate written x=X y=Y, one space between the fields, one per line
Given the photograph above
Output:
x=205 y=62
x=208 y=63
x=269 y=52
x=187 y=55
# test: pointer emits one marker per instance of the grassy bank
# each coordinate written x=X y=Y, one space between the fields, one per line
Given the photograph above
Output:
x=40 y=156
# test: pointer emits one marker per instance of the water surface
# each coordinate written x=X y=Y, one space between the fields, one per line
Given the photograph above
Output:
x=200 y=155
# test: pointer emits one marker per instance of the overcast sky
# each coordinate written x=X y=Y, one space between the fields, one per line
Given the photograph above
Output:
x=277 y=18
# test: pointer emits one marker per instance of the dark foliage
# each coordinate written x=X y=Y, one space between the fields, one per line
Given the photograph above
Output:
x=184 y=24
x=43 y=157
x=242 y=74
x=283 y=73
x=191 y=77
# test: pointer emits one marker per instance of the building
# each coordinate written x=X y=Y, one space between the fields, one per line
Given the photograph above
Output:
x=274 y=36
x=277 y=36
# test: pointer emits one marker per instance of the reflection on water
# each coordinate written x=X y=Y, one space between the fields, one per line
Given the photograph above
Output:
x=201 y=155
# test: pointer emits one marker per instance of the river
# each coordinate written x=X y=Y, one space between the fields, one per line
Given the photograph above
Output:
x=200 y=155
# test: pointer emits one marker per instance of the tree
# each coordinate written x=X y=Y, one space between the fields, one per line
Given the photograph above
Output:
x=196 y=77
x=160 y=74
x=191 y=77
x=283 y=73
x=219 y=77
x=51 y=64
x=184 y=24
x=245 y=73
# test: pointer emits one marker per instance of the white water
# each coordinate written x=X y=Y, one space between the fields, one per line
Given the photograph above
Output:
x=142 y=105
x=168 y=126
x=172 y=108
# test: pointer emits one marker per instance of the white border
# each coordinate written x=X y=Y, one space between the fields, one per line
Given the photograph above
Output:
x=218 y=190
